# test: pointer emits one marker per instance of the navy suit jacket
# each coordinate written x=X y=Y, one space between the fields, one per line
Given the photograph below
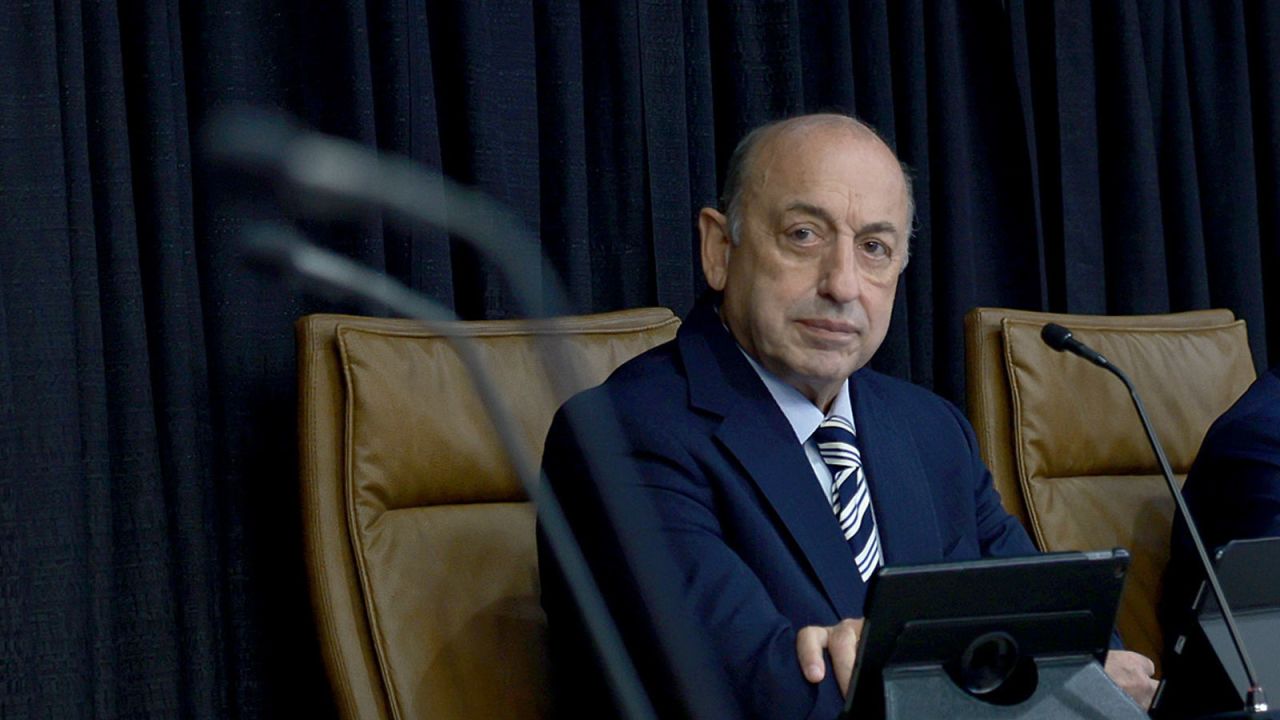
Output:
x=1233 y=492
x=1233 y=488
x=752 y=533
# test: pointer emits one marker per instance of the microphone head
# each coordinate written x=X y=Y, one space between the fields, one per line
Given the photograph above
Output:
x=1055 y=336
x=249 y=139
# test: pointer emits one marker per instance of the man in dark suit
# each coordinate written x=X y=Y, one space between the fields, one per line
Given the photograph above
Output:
x=1233 y=489
x=1233 y=492
x=783 y=471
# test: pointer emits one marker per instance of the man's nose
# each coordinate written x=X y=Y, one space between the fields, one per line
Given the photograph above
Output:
x=841 y=281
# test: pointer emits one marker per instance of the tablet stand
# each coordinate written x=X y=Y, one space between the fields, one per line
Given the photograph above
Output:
x=991 y=638
x=1204 y=674
x=1065 y=688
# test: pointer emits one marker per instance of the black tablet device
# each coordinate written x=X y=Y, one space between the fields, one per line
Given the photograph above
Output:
x=982 y=621
x=1249 y=572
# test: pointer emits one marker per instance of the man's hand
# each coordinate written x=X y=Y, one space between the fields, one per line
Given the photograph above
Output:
x=1132 y=672
x=840 y=641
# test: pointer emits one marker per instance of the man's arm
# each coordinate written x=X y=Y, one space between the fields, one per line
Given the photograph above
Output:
x=999 y=533
x=756 y=643
x=1243 y=473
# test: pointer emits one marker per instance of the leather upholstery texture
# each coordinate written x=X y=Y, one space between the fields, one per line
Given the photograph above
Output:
x=419 y=536
x=1065 y=444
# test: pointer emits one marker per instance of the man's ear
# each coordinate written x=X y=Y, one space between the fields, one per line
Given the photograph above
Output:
x=713 y=227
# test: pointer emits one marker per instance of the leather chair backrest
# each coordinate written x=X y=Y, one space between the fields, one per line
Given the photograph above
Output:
x=419 y=538
x=1065 y=445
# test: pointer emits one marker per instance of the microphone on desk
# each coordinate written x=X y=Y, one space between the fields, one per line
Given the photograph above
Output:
x=1061 y=339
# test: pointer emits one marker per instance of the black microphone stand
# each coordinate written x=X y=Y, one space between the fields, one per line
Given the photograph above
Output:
x=1060 y=339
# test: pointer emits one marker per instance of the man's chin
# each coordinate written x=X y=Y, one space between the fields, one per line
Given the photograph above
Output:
x=826 y=373
x=813 y=365
x=834 y=362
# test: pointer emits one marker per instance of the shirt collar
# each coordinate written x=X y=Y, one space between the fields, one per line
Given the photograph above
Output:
x=804 y=416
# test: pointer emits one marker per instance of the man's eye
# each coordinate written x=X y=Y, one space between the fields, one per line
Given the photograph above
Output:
x=803 y=235
x=875 y=248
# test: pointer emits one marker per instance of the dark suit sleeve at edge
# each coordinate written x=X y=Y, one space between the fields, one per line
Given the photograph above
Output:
x=999 y=533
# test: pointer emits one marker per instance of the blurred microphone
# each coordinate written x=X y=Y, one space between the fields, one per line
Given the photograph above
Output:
x=328 y=177
x=1060 y=338
x=335 y=178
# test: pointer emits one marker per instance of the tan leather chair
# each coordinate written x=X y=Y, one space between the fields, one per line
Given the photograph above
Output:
x=1066 y=448
x=419 y=539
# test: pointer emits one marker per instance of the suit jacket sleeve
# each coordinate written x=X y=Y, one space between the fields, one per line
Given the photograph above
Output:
x=1234 y=487
x=999 y=533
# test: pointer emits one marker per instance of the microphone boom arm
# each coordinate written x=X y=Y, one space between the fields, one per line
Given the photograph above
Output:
x=1060 y=339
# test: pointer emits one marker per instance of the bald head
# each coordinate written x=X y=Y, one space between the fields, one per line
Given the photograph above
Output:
x=744 y=170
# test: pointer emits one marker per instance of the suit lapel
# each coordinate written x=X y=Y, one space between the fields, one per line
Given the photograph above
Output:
x=779 y=468
x=755 y=432
x=900 y=494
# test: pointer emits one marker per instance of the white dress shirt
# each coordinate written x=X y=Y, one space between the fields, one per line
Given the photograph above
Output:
x=805 y=417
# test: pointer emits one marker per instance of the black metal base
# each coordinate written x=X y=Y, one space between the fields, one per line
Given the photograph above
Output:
x=1064 y=689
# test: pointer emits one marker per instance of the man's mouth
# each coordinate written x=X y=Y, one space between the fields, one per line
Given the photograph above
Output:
x=829 y=328
x=831 y=325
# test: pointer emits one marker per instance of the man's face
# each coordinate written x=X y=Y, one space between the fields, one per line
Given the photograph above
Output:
x=808 y=289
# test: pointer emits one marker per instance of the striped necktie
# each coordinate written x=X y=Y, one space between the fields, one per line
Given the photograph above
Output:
x=850 y=497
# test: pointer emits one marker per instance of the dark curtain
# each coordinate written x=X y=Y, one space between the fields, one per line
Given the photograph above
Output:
x=1106 y=157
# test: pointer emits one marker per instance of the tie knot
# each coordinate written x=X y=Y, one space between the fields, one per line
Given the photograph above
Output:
x=834 y=429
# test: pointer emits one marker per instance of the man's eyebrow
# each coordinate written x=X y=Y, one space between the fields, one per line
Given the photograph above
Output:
x=877 y=228
x=818 y=212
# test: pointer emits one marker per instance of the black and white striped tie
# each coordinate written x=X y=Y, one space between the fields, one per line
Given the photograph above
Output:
x=850 y=497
